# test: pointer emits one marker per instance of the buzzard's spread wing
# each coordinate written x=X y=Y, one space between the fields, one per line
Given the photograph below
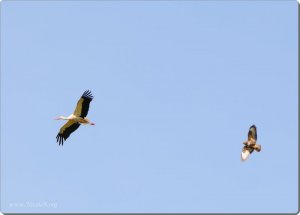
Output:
x=252 y=134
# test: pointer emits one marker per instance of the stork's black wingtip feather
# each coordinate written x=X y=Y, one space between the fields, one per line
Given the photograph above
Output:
x=87 y=94
x=59 y=140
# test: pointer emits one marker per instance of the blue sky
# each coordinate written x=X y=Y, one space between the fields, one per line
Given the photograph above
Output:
x=177 y=84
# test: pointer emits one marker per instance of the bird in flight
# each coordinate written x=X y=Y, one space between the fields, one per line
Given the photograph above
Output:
x=75 y=119
x=251 y=144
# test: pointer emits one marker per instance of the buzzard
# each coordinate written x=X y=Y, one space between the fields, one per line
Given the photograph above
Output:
x=251 y=144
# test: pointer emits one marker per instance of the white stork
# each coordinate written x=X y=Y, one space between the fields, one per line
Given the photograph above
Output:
x=75 y=119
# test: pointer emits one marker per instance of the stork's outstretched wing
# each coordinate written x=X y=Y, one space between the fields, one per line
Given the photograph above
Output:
x=66 y=130
x=252 y=134
x=83 y=104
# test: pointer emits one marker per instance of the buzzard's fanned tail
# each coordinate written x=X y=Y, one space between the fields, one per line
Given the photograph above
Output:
x=245 y=154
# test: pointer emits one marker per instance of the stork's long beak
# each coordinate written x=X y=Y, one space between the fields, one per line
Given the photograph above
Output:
x=57 y=118
x=93 y=123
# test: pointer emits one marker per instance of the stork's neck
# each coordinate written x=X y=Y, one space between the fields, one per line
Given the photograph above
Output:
x=64 y=118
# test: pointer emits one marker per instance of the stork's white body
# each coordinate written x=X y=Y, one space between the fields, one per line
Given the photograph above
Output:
x=75 y=118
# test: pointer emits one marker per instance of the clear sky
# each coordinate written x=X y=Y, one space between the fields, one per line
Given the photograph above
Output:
x=176 y=86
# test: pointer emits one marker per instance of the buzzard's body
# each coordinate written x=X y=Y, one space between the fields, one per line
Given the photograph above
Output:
x=251 y=144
